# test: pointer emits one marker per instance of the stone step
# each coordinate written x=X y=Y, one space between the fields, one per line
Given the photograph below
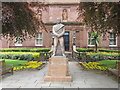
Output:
x=58 y=79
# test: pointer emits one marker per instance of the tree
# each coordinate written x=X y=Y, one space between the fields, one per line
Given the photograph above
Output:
x=18 y=18
x=101 y=16
x=94 y=38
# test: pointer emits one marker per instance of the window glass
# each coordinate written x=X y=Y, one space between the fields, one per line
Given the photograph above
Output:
x=112 y=39
x=39 y=40
x=18 y=41
x=90 y=39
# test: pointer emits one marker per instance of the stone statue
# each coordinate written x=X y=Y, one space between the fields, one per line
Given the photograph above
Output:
x=58 y=66
x=58 y=32
x=64 y=15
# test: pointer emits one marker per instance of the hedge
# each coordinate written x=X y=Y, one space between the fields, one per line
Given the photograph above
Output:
x=100 y=50
x=107 y=50
x=74 y=23
x=103 y=53
x=19 y=55
x=84 y=50
x=26 y=50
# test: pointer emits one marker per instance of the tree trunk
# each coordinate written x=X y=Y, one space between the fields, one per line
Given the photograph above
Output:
x=96 y=48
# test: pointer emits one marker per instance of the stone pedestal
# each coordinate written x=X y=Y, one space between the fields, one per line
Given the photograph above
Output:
x=58 y=70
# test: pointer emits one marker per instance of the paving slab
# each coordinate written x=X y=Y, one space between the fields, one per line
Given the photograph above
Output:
x=81 y=79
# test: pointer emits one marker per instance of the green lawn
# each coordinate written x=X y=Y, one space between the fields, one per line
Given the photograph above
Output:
x=16 y=63
x=109 y=63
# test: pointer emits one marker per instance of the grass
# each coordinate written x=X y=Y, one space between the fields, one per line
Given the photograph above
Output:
x=16 y=63
x=109 y=63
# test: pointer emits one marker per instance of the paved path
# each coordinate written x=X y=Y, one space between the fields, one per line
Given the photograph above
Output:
x=81 y=79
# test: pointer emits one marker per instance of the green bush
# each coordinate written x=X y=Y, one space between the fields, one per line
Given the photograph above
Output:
x=4 y=56
x=19 y=55
x=103 y=53
x=40 y=50
x=100 y=50
x=16 y=56
x=107 y=50
x=26 y=50
x=27 y=57
x=84 y=50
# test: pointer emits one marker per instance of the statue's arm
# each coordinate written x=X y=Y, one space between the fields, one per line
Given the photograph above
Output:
x=54 y=32
x=62 y=33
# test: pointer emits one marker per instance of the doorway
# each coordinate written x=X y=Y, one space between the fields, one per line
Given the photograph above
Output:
x=66 y=41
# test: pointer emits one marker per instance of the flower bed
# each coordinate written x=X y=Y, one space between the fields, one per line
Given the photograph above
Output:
x=94 y=66
x=23 y=64
x=29 y=65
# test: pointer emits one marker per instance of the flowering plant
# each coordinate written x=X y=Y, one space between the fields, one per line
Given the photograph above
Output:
x=94 y=66
x=31 y=64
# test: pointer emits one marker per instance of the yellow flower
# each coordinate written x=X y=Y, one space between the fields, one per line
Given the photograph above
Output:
x=14 y=68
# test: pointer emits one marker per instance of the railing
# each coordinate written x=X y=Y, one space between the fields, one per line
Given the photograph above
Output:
x=44 y=56
x=79 y=56
x=83 y=57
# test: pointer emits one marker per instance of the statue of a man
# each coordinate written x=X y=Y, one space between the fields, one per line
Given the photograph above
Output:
x=58 y=32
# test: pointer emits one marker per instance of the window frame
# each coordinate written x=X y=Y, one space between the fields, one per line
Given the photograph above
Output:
x=39 y=39
x=112 y=38
x=88 y=41
x=17 y=44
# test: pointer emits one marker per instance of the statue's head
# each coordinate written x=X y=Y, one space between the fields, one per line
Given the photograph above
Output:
x=58 y=20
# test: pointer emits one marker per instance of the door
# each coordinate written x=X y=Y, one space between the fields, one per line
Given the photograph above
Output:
x=66 y=41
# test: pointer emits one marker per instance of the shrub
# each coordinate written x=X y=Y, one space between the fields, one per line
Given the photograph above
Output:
x=4 y=56
x=107 y=50
x=84 y=50
x=40 y=50
x=28 y=57
x=19 y=55
x=16 y=56
x=100 y=50
x=26 y=50
x=103 y=53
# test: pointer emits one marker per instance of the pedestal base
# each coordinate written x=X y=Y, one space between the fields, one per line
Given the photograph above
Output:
x=58 y=79
x=58 y=70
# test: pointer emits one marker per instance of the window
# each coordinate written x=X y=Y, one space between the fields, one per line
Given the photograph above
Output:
x=90 y=43
x=39 y=39
x=112 y=40
x=18 y=41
